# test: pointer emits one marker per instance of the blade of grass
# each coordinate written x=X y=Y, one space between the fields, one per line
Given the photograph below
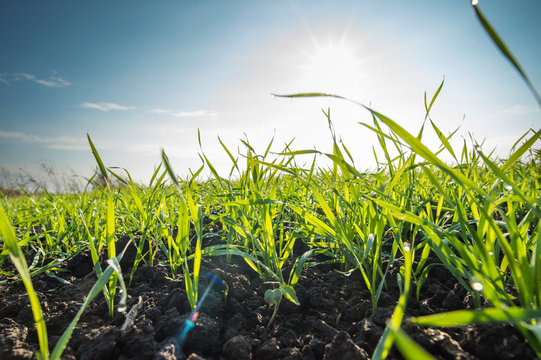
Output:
x=483 y=316
x=409 y=348
x=518 y=154
x=17 y=257
x=427 y=108
x=96 y=289
x=97 y=157
x=504 y=50
x=443 y=140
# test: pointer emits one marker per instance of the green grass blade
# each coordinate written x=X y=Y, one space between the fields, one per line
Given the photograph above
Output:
x=110 y=229
x=320 y=226
x=172 y=175
x=427 y=108
x=416 y=145
x=123 y=290
x=111 y=248
x=499 y=173
x=285 y=169
x=211 y=168
x=314 y=94
x=379 y=132
x=235 y=161
x=484 y=316
x=118 y=177
x=533 y=334
x=223 y=250
x=518 y=154
x=409 y=348
x=154 y=175
x=505 y=51
x=196 y=266
x=93 y=249
x=97 y=157
x=422 y=150
x=195 y=175
x=389 y=335
x=443 y=140
x=299 y=265
x=535 y=268
x=8 y=236
x=383 y=347
x=96 y=289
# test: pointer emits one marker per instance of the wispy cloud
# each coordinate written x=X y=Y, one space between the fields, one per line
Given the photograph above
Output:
x=104 y=106
x=52 y=81
x=185 y=114
x=521 y=109
x=52 y=142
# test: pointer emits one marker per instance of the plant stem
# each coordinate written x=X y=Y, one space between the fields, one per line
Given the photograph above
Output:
x=274 y=313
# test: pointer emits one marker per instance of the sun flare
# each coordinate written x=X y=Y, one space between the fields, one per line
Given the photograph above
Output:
x=333 y=66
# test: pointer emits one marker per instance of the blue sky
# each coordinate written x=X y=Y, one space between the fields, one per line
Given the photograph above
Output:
x=143 y=76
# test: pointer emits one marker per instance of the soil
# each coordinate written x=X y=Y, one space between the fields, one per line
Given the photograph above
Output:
x=334 y=321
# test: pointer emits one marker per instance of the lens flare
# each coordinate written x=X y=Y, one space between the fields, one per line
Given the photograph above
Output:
x=182 y=333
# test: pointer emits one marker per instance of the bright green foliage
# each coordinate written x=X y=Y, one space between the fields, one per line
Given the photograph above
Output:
x=478 y=215
x=18 y=259
x=8 y=236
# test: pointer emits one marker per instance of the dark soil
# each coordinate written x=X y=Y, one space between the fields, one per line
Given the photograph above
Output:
x=334 y=321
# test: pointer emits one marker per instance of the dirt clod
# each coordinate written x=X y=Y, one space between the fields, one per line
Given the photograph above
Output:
x=268 y=351
x=237 y=348
x=342 y=347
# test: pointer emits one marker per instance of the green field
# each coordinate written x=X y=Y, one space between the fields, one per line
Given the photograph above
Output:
x=476 y=215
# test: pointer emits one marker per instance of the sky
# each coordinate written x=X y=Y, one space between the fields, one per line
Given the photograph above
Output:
x=139 y=77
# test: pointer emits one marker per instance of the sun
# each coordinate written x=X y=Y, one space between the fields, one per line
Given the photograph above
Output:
x=332 y=66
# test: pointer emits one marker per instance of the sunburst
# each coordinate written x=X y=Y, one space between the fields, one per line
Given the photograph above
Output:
x=332 y=66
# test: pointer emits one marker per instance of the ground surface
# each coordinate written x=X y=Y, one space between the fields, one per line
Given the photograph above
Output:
x=334 y=321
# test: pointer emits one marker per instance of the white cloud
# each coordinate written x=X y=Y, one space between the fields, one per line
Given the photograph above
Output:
x=521 y=109
x=52 y=81
x=57 y=142
x=104 y=106
x=185 y=114
x=71 y=143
